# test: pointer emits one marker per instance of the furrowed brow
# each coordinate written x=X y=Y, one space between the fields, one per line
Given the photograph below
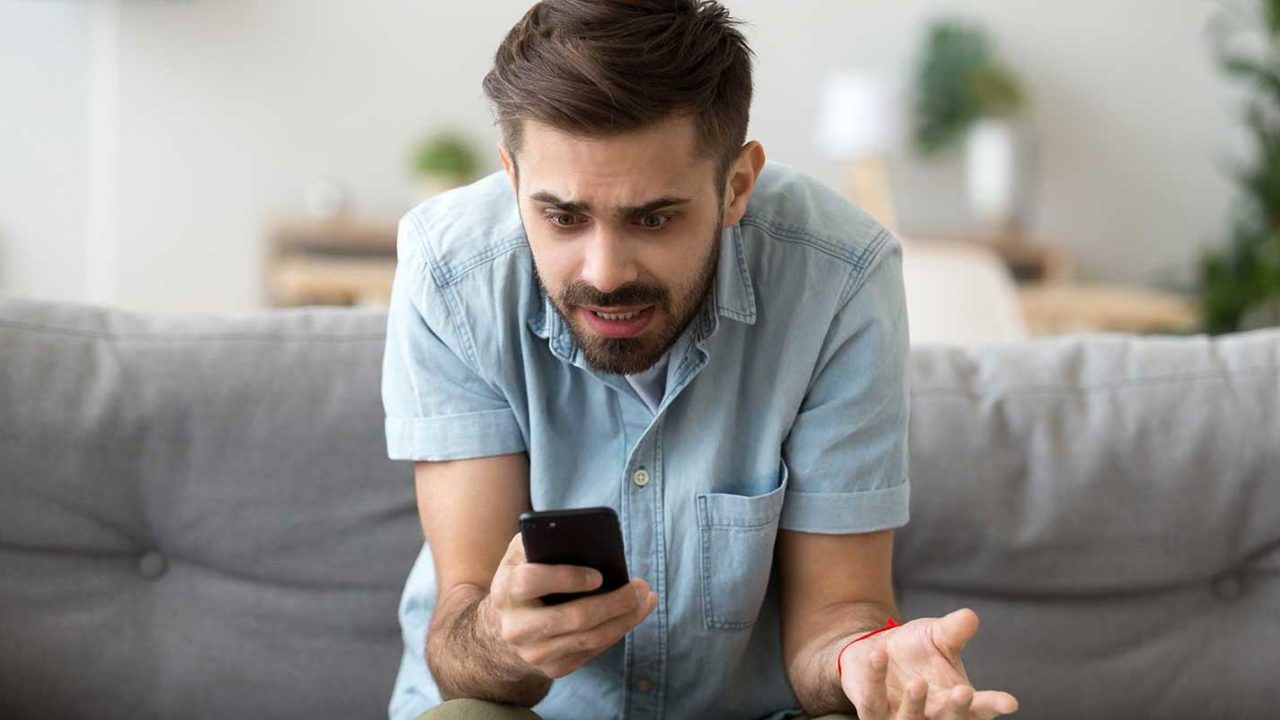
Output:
x=627 y=211
x=547 y=198
x=646 y=208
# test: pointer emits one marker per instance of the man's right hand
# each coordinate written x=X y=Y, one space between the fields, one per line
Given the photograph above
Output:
x=558 y=639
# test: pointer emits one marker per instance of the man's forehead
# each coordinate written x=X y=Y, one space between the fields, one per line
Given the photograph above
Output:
x=621 y=170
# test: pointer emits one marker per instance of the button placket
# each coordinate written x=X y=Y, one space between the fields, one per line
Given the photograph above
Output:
x=644 y=638
x=645 y=641
x=646 y=645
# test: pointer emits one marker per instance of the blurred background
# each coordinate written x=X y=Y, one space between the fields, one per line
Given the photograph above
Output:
x=1052 y=166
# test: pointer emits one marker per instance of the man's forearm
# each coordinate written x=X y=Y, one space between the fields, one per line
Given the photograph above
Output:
x=469 y=660
x=813 y=671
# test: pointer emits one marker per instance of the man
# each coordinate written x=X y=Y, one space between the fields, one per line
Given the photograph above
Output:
x=640 y=314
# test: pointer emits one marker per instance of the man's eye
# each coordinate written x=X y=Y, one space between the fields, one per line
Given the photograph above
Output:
x=654 y=221
x=563 y=220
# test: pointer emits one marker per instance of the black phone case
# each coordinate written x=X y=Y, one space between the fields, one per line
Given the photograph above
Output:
x=590 y=537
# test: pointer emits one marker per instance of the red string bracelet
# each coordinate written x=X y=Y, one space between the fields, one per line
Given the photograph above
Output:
x=890 y=623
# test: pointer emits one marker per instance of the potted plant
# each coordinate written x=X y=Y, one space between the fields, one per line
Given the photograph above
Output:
x=964 y=96
x=444 y=160
x=1240 y=282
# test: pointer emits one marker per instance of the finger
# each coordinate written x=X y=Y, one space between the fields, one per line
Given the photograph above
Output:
x=956 y=703
x=567 y=665
x=870 y=687
x=530 y=581
x=586 y=613
x=951 y=632
x=988 y=704
x=515 y=551
x=590 y=642
x=912 y=705
x=511 y=559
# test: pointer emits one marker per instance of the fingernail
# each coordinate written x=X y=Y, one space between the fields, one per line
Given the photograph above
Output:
x=641 y=593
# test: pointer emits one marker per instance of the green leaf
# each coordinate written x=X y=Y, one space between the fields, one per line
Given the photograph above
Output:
x=1243 y=68
x=446 y=154
x=1272 y=9
x=957 y=83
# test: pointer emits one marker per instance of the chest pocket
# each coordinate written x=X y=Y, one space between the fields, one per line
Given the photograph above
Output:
x=737 y=536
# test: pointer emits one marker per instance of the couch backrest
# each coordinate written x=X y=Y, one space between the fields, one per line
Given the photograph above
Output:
x=1110 y=506
x=198 y=520
x=197 y=516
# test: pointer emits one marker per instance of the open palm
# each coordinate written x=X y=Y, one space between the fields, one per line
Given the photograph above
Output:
x=919 y=673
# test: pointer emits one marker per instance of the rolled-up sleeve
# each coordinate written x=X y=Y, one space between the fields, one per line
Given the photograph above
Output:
x=438 y=405
x=847 y=449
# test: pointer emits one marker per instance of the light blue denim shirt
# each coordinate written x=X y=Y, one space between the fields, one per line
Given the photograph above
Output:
x=785 y=408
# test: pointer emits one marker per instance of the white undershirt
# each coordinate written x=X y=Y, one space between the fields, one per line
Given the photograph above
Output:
x=651 y=383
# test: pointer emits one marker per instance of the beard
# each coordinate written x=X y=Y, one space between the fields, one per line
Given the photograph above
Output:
x=628 y=356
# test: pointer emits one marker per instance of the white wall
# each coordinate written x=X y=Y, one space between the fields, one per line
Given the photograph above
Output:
x=44 y=139
x=227 y=109
x=1134 y=120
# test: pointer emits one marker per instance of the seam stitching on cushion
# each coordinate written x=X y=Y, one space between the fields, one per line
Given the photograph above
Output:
x=144 y=337
x=1069 y=390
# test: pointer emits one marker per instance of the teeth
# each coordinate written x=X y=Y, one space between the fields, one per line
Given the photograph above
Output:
x=613 y=316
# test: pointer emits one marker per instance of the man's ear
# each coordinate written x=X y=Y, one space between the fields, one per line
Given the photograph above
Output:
x=741 y=181
x=508 y=164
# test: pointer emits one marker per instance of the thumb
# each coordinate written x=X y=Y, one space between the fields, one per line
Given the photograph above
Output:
x=953 y=631
x=515 y=551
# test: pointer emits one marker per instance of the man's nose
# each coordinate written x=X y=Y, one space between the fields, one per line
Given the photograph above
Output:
x=607 y=265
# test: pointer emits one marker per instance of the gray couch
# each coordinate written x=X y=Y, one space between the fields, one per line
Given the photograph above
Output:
x=198 y=520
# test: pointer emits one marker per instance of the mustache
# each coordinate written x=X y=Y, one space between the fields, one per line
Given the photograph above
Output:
x=580 y=293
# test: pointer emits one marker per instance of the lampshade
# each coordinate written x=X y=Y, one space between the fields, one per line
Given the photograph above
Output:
x=856 y=116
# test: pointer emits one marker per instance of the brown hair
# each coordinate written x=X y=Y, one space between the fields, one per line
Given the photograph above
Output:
x=602 y=67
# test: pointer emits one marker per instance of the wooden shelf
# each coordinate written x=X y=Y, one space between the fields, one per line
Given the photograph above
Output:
x=1054 y=302
x=342 y=261
x=332 y=281
x=1056 y=308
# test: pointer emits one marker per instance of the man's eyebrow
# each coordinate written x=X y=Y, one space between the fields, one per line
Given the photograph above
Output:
x=549 y=199
x=625 y=211
x=655 y=204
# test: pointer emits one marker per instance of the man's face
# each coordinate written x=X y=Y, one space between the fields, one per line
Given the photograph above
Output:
x=625 y=234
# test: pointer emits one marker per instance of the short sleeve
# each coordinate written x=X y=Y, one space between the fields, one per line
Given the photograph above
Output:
x=846 y=452
x=438 y=406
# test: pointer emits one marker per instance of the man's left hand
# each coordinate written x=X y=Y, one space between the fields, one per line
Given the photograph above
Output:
x=914 y=672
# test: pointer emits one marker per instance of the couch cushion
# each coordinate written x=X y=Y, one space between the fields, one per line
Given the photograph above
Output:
x=1110 y=506
x=197 y=516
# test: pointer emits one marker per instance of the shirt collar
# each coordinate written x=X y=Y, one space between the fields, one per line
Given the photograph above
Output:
x=732 y=296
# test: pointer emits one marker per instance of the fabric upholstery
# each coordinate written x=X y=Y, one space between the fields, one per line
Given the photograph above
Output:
x=197 y=516
x=198 y=519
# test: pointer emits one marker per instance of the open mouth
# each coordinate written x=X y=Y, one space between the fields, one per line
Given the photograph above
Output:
x=616 y=316
x=619 y=322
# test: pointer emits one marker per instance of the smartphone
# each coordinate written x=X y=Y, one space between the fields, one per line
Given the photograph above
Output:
x=590 y=537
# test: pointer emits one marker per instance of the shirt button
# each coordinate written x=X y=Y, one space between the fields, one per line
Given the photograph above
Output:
x=644 y=685
x=641 y=477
